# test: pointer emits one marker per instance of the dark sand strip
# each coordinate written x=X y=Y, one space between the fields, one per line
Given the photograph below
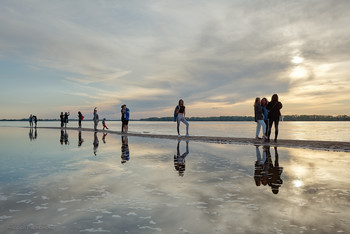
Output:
x=319 y=145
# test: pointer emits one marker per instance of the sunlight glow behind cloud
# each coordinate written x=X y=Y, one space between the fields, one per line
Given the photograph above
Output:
x=218 y=56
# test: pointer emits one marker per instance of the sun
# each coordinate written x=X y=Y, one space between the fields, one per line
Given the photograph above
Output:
x=297 y=60
x=299 y=72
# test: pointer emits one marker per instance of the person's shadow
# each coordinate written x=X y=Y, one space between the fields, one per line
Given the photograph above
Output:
x=95 y=143
x=179 y=159
x=80 y=139
x=125 y=156
x=266 y=172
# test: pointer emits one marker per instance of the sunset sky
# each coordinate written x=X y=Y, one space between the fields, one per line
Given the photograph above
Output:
x=216 y=55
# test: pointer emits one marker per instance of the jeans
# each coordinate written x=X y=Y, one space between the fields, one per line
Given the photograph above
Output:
x=258 y=126
x=181 y=118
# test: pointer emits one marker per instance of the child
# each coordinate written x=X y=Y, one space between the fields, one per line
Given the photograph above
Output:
x=104 y=123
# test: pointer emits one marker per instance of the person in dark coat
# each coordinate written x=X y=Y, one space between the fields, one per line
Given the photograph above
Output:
x=274 y=107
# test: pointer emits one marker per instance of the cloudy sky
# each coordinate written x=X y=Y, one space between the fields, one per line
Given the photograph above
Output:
x=217 y=55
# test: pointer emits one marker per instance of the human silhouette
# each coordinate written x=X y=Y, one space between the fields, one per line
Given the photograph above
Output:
x=95 y=118
x=179 y=159
x=35 y=120
x=66 y=141
x=259 y=165
x=104 y=138
x=80 y=139
x=30 y=121
x=35 y=133
x=31 y=137
x=125 y=150
x=80 y=118
x=95 y=143
x=62 y=137
x=65 y=118
x=275 y=181
x=62 y=119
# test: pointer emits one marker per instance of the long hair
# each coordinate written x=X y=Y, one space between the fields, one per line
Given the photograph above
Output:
x=274 y=98
x=257 y=101
x=181 y=102
x=266 y=102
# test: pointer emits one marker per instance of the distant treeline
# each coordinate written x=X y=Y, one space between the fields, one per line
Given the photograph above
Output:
x=227 y=118
x=250 y=118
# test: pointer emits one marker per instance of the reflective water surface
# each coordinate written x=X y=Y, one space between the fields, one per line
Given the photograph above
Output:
x=55 y=181
x=294 y=130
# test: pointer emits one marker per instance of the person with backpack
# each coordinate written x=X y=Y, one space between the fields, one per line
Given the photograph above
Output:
x=80 y=118
x=125 y=112
x=66 y=119
x=259 y=119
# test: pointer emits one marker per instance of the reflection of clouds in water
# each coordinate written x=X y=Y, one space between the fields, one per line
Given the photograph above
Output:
x=217 y=192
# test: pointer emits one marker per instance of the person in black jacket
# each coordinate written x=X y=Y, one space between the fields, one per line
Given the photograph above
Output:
x=274 y=115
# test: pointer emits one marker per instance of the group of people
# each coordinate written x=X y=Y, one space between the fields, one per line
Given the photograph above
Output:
x=64 y=119
x=33 y=120
x=266 y=114
x=125 y=115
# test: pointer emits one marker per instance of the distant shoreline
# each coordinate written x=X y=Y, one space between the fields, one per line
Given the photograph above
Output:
x=222 y=118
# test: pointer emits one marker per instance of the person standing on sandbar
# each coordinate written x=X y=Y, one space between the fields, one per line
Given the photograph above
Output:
x=179 y=115
x=125 y=112
x=80 y=118
x=274 y=107
x=95 y=118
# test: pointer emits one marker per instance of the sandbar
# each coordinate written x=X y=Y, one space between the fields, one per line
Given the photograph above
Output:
x=309 y=144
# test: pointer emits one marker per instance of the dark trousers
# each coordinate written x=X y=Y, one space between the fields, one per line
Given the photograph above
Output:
x=271 y=121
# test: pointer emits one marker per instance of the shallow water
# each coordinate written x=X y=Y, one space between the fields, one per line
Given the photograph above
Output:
x=53 y=182
x=294 y=130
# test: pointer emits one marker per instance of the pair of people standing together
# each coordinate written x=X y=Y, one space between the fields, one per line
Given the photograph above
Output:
x=266 y=114
x=64 y=119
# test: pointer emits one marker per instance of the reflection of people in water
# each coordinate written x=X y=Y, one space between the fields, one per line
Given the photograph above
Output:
x=266 y=172
x=64 y=137
x=275 y=180
x=125 y=149
x=31 y=137
x=104 y=138
x=80 y=140
x=179 y=160
x=259 y=164
x=95 y=143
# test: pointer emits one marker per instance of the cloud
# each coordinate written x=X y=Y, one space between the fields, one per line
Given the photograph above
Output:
x=150 y=54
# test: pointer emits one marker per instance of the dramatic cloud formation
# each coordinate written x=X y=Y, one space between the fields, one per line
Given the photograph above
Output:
x=217 y=55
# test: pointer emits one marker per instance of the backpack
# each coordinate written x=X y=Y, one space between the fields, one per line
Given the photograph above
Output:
x=175 y=114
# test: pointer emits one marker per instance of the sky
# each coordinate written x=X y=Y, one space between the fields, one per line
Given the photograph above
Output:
x=216 y=55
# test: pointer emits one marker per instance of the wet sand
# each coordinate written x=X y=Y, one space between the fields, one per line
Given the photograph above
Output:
x=318 y=145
